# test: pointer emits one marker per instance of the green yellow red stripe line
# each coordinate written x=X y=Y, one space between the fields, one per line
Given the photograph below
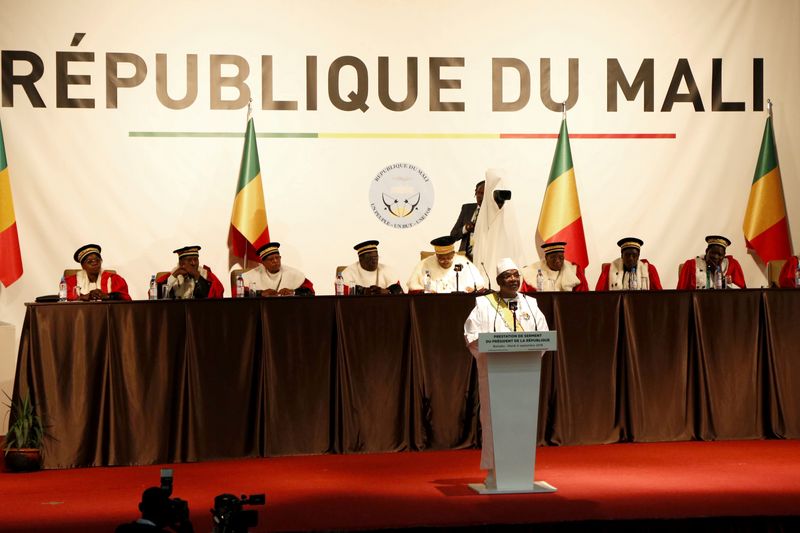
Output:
x=396 y=135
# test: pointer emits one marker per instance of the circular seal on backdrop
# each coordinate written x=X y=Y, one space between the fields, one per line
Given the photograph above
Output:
x=401 y=195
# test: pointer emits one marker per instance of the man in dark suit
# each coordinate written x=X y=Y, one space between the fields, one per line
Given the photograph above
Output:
x=464 y=228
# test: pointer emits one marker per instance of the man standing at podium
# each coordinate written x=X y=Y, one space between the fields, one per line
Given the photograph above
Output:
x=505 y=310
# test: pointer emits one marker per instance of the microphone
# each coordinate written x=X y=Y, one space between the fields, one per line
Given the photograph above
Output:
x=535 y=326
x=512 y=306
x=457 y=267
x=472 y=276
x=487 y=276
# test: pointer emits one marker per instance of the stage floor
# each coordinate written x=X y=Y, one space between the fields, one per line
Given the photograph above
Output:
x=616 y=482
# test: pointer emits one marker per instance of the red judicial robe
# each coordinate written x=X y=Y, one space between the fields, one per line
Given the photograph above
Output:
x=786 y=277
x=687 y=278
x=216 y=290
x=652 y=274
x=109 y=283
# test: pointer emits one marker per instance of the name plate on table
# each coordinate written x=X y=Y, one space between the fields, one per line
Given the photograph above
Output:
x=517 y=341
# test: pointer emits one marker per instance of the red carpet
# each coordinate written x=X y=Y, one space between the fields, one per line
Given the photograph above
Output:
x=606 y=483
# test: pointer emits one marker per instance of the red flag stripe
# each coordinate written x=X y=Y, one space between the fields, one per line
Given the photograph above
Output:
x=573 y=235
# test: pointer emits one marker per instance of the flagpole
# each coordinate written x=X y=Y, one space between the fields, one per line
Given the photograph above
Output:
x=249 y=115
x=769 y=107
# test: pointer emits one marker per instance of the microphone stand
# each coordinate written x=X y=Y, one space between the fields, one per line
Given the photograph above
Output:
x=457 y=269
x=512 y=306
x=487 y=276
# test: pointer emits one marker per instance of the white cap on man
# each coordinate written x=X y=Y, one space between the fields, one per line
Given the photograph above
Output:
x=506 y=264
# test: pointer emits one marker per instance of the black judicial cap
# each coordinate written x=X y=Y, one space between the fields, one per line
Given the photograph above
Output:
x=553 y=247
x=85 y=251
x=187 y=251
x=630 y=242
x=268 y=249
x=366 y=247
x=443 y=245
x=719 y=240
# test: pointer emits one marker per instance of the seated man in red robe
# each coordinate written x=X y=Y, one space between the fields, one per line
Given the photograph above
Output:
x=189 y=280
x=92 y=282
x=628 y=272
x=714 y=269
x=789 y=278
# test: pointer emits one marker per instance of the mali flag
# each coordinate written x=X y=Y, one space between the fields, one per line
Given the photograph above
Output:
x=249 y=230
x=560 y=219
x=10 y=256
x=766 y=229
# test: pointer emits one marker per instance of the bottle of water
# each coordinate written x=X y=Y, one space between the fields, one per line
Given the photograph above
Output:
x=539 y=281
x=797 y=276
x=718 y=279
x=339 y=285
x=62 y=290
x=152 y=294
x=239 y=286
x=633 y=281
x=427 y=282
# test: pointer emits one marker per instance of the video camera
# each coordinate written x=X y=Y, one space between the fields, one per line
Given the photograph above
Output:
x=177 y=510
x=501 y=196
x=228 y=514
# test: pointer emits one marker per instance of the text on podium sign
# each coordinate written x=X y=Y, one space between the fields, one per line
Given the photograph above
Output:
x=517 y=341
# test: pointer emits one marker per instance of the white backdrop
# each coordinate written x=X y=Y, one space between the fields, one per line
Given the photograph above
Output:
x=79 y=176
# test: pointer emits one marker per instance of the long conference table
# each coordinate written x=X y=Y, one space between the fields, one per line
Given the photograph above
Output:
x=146 y=382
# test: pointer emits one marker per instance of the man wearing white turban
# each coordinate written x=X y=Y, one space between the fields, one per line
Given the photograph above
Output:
x=496 y=230
x=500 y=311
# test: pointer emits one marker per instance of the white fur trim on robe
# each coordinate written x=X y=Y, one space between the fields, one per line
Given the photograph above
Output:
x=618 y=278
x=85 y=286
x=286 y=278
x=183 y=286
x=383 y=276
x=563 y=280
x=700 y=278
x=443 y=280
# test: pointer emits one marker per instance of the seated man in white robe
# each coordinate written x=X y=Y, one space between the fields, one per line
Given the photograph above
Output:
x=368 y=275
x=498 y=312
x=445 y=271
x=557 y=274
x=271 y=278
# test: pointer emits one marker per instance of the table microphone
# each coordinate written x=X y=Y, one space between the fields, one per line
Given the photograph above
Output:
x=487 y=276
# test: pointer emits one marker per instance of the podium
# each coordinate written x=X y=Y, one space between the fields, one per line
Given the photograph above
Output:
x=515 y=362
